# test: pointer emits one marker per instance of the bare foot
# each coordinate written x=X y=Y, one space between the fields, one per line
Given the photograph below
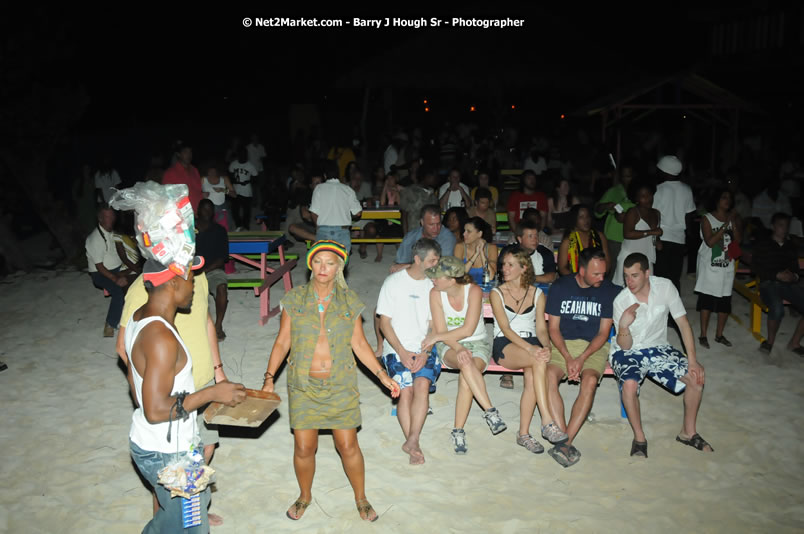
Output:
x=221 y=334
x=296 y=510
x=378 y=259
x=378 y=352
x=415 y=453
x=215 y=520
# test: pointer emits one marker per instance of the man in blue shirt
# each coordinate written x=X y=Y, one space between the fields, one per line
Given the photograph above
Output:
x=430 y=228
x=580 y=309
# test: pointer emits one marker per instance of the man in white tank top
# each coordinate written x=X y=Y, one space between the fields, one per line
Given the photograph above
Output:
x=160 y=375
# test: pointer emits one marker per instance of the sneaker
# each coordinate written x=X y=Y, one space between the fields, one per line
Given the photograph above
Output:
x=458 y=440
x=495 y=422
x=108 y=331
x=553 y=434
x=530 y=443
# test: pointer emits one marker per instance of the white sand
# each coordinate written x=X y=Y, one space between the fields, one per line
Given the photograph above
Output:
x=66 y=410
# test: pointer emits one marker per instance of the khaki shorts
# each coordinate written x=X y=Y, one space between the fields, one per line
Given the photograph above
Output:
x=215 y=278
x=480 y=348
x=596 y=362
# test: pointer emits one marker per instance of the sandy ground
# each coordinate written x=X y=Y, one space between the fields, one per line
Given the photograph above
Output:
x=66 y=413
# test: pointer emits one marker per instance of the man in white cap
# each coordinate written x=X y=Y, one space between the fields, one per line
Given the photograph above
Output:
x=674 y=201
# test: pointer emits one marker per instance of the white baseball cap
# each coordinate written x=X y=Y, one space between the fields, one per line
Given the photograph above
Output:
x=670 y=165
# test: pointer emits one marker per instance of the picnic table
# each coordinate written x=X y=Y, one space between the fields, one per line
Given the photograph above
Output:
x=254 y=250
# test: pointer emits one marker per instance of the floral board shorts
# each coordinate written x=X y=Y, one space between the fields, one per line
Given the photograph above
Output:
x=664 y=364
x=403 y=376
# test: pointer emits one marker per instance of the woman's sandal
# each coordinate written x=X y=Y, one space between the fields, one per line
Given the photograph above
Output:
x=507 y=381
x=639 y=448
x=695 y=441
x=702 y=341
x=298 y=508
x=722 y=340
x=366 y=510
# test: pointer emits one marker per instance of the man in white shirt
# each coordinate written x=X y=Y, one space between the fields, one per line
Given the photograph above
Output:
x=674 y=201
x=103 y=264
x=770 y=201
x=641 y=349
x=333 y=207
x=394 y=155
x=242 y=173
x=105 y=179
x=404 y=309
x=454 y=193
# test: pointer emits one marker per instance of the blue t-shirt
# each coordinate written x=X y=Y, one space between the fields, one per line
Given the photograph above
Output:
x=404 y=253
x=580 y=309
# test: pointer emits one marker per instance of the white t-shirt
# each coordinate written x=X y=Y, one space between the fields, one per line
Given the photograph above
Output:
x=217 y=197
x=242 y=174
x=255 y=155
x=674 y=201
x=649 y=329
x=334 y=203
x=105 y=182
x=390 y=158
x=407 y=303
x=455 y=199
x=101 y=251
x=538 y=166
x=764 y=206
x=538 y=263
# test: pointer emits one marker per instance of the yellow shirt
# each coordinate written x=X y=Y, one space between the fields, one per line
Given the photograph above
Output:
x=192 y=327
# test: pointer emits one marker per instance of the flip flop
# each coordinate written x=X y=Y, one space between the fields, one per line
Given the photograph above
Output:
x=766 y=347
x=639 y=448
x=298 y=506
x=702 y=341
x=798 y=350
x=722 y=340
x=365 y=508
x=695 y=441
x=565 y=455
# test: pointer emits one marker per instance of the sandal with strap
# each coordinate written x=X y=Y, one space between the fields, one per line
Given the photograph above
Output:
x=298 y=508
x=702 y=341
x=530 y=443
x=553 y=434
x=565 y=455
x=695 y=441
x=722 y=340
x=507 y=381
x=366 y=510
x=639 y=448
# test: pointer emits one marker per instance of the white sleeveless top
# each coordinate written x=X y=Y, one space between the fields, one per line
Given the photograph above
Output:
x=522 y=322
x=455 y=319
x=153 y=437
x=217 y=197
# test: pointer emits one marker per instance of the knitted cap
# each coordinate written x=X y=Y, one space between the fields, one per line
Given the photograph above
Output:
x=330 y=246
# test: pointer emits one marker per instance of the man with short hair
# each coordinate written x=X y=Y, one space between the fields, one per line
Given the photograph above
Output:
x=104 y=266
x=454 y=193
x=532 y=214
x=580 y=309
x=431 y=228
x=404 y=309
x=544 y=262
x=641 y=349
x=775 y=261
x=526 y=197
x=674 y=201
x=184 y=172
x=243 y=173
x=212 y=243
x=333 y=207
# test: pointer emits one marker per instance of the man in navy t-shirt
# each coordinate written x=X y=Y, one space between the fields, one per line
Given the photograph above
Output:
x=580 y=309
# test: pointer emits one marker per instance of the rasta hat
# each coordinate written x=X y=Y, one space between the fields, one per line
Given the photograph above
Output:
x=670 y=165
x=447 y=266
x=157 y=274
x=329 y=246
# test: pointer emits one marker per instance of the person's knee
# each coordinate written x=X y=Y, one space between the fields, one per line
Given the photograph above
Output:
x=305 y=449
x=630 y=388
x=589 y=383
x=347 y=447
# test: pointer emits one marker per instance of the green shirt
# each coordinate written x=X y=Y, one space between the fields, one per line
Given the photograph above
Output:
x=614 y=228
x=301 y=305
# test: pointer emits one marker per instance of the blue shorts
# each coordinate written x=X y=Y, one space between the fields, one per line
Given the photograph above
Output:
x=403 y=376
x=663 y=364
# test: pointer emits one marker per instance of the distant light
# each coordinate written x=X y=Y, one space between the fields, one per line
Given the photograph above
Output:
x=513 y=106
x=226 y=98
x=683 y=116
x=562 y=116
x=425 y=100
x=471 y=108
x=426 y=109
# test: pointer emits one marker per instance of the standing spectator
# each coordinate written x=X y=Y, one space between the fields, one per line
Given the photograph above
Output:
x=641 y=230
x=333 y=207
x=559 y=204
x=242 y=172
x=454 y=193
x=212 y=244
x=674 y=201
x=183 y=172
x=104 y=267
x=526 y=197
x=105 y=179
x=232 y=151
x=719 y=229
x=771 y=200
x=579 y=237
x=216 y=188
x=256 y=153
x=614 y=204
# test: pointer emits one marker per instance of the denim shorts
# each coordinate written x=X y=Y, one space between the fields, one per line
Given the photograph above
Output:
x=335 y=233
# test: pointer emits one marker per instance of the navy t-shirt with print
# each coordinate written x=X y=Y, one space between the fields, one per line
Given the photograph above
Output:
x=580 y=309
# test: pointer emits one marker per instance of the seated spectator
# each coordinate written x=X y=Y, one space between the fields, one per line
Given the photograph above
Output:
x=477 y=251
x=431 y=228
x=544 y=263
x=771 y=200
x=454 y=193
x=299 y=221
x=414 y=197
x=455 y=220
x=483 y=208
x=579 y=237
x=104 y=267
x=217 y=188
x=535 y=216
x=559 y=204
x=212 y=244
x=390 y=191
x=526 y=197
x=484 y=182
x=126 y=245
x=775 y=261
x=362 y=188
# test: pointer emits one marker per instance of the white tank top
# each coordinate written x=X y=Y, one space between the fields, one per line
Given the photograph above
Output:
x=523 y=322
x=153 y=437
x=455 y=319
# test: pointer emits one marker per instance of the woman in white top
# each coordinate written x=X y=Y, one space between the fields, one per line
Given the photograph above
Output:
x=216 y=188
x=641 y=229
x=521 y=342
x=461 y=341
x=719 y=229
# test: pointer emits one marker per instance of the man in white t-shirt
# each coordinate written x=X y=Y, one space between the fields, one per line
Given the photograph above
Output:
x=242 y=173
x=104 y=266
x=641 y=349
x=674 y=201
x=256 y=153
x=333 y=207
x=394 y=155
x=454 y=193
x=105 y=180
x=404 y=310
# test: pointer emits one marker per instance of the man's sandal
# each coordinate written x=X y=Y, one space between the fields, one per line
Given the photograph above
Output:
x=702 y=341
x=366 y=511
x=298 y=508
x=565 y=455
x=695 y=441
x=639 y=448
x=722 y=340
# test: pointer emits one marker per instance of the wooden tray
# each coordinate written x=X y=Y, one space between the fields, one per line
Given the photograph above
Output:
x=251 y=412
